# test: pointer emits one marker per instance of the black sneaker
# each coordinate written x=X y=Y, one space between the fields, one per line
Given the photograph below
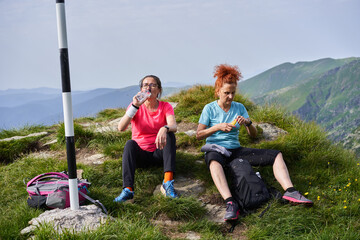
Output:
x=232 y=211
x=296 y=198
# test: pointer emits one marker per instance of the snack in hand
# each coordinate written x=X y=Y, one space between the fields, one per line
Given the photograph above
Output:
x=233 y=122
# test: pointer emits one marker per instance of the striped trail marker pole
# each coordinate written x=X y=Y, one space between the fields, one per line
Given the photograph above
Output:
x=67 y=104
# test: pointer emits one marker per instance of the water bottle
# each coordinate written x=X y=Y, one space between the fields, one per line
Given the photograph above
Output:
x=143 y=95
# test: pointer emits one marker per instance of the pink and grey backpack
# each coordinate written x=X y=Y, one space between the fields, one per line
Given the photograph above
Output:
x=51 y=190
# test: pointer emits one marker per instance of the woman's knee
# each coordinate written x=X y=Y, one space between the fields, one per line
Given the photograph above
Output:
x=170 y=137
x=130 y=148
x=214 y=165
x=130 y=144
x=279 y=157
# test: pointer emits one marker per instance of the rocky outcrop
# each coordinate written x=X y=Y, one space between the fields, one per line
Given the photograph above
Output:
x=86 y=218
x=21 y=137
x=270 y=131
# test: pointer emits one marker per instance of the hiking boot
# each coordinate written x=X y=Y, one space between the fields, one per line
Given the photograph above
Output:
x=296 y=198
x=168 y=189
x=125 y=195
x=232 y=211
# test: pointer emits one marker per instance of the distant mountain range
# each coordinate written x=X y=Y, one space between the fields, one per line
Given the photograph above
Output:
x=326 y=91
x=43 y=106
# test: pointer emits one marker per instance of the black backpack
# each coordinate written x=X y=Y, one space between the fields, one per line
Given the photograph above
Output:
x=247 y=188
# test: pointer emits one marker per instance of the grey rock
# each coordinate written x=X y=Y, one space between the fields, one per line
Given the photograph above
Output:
x=270 y=131
x=192 y=187
x=192 y=235
x=86 y=218
x=216 y=213
x=190 y=133
x=173 y=104
x=50 y=142
x=21 y=137
x=96 y=159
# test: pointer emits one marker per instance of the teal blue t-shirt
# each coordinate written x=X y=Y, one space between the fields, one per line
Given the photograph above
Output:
x=212 y=114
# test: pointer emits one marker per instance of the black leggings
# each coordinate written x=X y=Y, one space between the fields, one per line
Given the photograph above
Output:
x=134 y=157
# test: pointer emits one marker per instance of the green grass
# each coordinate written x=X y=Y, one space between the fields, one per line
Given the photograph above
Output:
x=121 y=228
x=22 y=131
x=110 y=114
x=11 y=150
x=184 y=141
x=112 y=143
x=192 y=101
x=82 y=136
x=326 y=173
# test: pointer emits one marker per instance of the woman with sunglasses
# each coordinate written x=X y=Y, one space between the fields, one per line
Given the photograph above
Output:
x=153 y=140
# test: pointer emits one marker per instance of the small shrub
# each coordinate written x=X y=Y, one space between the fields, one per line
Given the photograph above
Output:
x=276 y=115
x=110 y=114
x=81 y=136
x=111 y=143
x=191 y=102
x=246 y=140
x=184 y=141
x=10 y=150
x=22 y=131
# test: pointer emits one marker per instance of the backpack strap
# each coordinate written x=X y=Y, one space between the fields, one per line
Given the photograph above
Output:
x=96 y=202
x=265 y=210
x=59 y=175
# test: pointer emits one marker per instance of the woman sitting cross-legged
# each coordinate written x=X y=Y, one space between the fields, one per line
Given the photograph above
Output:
x=219 y=123
x=153 y=140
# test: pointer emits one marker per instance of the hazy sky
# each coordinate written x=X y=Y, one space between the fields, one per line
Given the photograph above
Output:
x=113 y=43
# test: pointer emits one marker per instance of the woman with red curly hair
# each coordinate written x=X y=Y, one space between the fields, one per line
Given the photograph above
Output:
x=219 y=123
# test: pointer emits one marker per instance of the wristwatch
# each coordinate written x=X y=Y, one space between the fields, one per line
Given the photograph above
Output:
x=248 y=125
x=167 y=128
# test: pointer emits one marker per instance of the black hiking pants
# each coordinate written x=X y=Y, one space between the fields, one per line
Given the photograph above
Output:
x=134 y=157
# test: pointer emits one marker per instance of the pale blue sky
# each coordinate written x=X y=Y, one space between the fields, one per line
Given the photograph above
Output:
x=113 y=43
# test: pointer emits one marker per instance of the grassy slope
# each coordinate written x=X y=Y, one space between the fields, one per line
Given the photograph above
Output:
x=328 y=174
x=287 y=74
x=292 y=98
x=330 y=99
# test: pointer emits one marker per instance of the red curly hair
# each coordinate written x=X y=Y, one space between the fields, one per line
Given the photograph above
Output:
x=225 y=73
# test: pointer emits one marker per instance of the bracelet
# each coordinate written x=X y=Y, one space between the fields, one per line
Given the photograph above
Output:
x=248 y=125
x=135 y=106
x=132 y=111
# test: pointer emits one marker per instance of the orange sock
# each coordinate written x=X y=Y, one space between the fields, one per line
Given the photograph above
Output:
x=168 y=176
x=129 y=188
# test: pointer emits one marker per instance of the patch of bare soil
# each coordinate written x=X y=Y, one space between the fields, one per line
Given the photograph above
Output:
x=190 y=150
x=214 y=198
x=89 y=157
x=170 y=228
x=186 y=126
x=166 y=225
x=238 y=232
x=47 y=154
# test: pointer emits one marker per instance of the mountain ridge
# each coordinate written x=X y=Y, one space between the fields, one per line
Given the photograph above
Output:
x=287 y=74
x=36 y=107
x=330 y=98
